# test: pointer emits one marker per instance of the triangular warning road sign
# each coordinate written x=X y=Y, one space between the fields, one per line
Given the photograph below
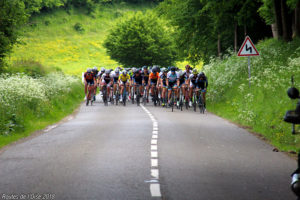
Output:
x=248 y=48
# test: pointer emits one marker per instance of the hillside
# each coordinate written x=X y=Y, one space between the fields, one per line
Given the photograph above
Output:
x=51 y=38
x=260 y=108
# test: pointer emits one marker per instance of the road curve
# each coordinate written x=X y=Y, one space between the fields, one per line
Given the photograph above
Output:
x=104 y=153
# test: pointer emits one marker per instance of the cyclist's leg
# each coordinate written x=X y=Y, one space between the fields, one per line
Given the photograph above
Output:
x=85 y=89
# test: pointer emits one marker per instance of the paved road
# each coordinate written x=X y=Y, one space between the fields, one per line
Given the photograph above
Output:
x=106 y=153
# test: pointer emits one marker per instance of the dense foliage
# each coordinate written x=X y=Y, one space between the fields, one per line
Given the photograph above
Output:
x=12 y=15
x=262 y=106
x=22 y=96
x=141 y=40
x=208 y=28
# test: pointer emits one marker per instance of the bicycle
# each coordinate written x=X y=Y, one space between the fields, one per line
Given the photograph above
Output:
x=132 y=94
x=124 y=95
x=90 y=95
x=172 y=99
x=104 y=92
x=201 y=102
x=112 y=95
x=155 y=97
x=194 y=100
x=145 y=95
x=187 y=98
x=138 y=95
x=117 y=94
x=180 y=99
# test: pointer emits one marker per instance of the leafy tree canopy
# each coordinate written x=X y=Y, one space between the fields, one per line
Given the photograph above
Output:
x=140 y=40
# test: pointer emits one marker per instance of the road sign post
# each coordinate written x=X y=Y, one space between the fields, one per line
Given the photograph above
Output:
x=248 y=49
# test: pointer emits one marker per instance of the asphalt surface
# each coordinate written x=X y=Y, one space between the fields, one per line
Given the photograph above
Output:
x=104 y=153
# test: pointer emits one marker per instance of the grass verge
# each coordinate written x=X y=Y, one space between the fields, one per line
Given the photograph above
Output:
x=261 y=107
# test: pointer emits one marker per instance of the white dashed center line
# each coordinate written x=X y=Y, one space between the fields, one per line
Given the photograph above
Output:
x=154 y=182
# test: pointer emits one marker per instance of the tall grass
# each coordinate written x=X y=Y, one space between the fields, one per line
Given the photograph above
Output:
x=25 y=101
x=262 y=106
x=52 y=40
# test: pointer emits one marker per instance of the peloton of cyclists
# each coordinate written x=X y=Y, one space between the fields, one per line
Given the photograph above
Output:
x=186 y=82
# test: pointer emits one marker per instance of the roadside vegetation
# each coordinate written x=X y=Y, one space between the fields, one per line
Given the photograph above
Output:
x=261 y=107
x=28 y=104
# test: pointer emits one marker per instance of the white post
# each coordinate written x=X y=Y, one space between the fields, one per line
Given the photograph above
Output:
x=249 y=71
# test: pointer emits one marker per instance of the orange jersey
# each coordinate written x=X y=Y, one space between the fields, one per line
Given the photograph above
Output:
x=153 y=76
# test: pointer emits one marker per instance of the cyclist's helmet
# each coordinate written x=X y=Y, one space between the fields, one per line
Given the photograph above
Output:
x=95 y=68
x=202 y=74
x=173 y=69
x=154 y=69
x=195 y=71
x=134 y=70
x=102 y=69
x=117 y=71
x=165 y=70
x=89 y=70
x=187 y=67
x=124 y=72
x=145 y=67
x=107 y=71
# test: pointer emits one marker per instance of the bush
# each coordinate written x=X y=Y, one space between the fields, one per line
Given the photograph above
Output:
x=79 y=27
x=140 y=40
x=29 y=67
x=22 y=95
x=47 y=22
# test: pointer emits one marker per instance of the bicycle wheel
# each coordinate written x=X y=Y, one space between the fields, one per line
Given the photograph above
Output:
x=138 y=97
x=124 y=97
x=172 y=100
x=194 y=102
x=201 y=105
x=132 y=95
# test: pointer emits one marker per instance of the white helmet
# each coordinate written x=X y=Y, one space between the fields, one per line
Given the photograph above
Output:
x=89 y=70
x=107 y=71
x=95 y=68
x=124 y=72
x=102 y=69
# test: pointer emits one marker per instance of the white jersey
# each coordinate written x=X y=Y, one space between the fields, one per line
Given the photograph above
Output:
x=115 y=76
x=172 y=77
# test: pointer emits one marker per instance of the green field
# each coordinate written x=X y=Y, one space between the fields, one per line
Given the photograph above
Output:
x=51 y=39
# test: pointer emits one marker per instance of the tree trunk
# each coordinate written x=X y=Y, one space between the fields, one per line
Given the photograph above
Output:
x=235 y=37
x=297 y=21
x=286 y=26
x=219 y=45
x=274 y=30
x=277 y=14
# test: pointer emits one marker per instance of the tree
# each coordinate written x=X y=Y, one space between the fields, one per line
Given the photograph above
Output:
x=13 y=15
x=140 y=40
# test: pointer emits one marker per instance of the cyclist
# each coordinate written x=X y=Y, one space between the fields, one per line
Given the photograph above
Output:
x=181 y=82
x=192 y=80
x=187 y=72
x=202 y=84
x=107 y=80
x=145 y=75
x=172 y=83
x=95 y=72
x=99 y=80
x=153 y=78
x=163 y=84
x=89 y=79
x=115 y=75
x=137 y=80
x=124 y=79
